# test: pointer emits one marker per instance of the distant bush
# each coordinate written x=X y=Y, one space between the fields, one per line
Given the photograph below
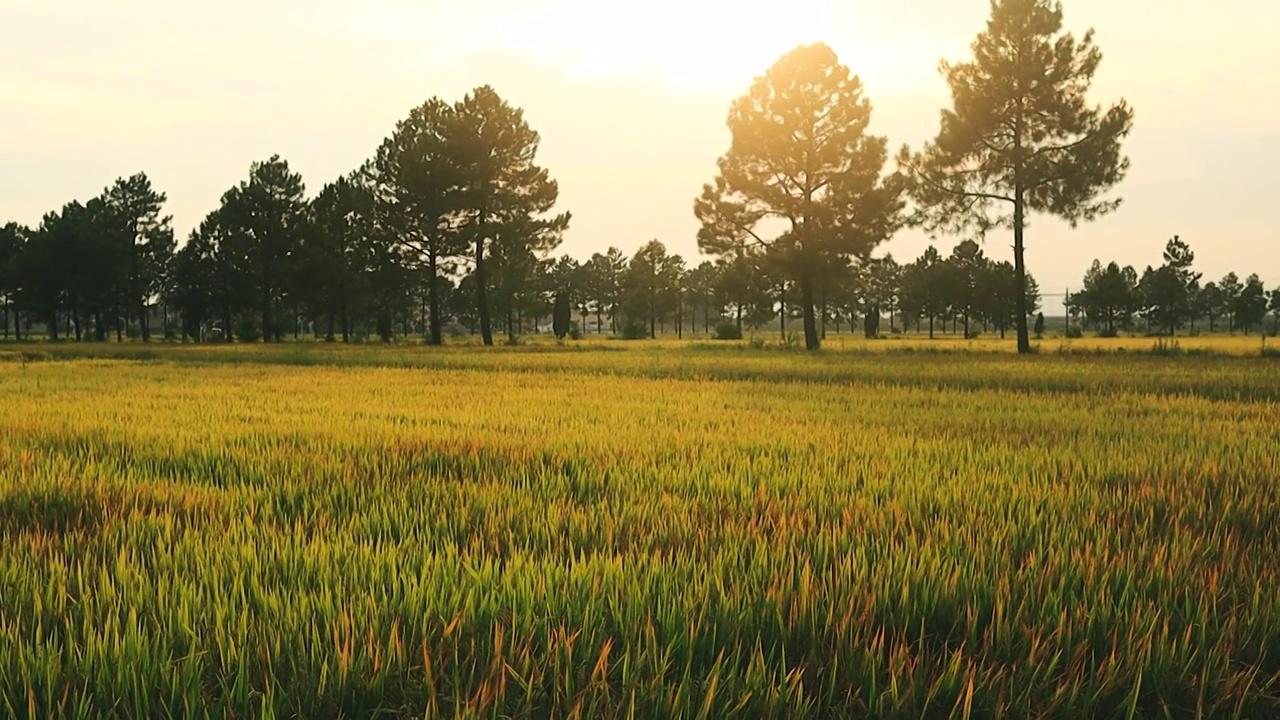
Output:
x=575 y=330
x=247 y=331
x=973 y=334
x=789 y=341
x=728 y=331
x=1108 y=333
x=635 y=331
x=1074 y=332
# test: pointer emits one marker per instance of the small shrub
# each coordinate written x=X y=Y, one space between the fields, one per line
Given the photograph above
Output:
x=514 y=341
x=728 y=331
x=575 y=330
x=974 y=334
x=1039 y=328
x=757 y=343
x=1108 y=333
x=1074 y=332
x=635 y=331
x=247 y=331
x=789 y=341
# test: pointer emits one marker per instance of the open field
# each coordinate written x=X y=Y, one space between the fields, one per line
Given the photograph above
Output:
x=660 y=530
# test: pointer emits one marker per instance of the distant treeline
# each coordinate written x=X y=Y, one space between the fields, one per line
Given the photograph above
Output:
x=449 y=226
x=1170 y=297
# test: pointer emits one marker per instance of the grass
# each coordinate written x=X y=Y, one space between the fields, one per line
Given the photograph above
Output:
x=669 y=530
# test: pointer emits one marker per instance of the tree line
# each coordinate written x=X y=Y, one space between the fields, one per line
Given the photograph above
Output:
x=451 y=222
x=1170 y=298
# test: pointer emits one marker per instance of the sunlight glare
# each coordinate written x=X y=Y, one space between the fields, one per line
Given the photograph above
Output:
x=693 y=45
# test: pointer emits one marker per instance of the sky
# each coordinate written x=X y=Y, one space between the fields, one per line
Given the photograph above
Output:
x=630 y=99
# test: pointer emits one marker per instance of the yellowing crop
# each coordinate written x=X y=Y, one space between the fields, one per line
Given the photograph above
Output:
x=657 y=533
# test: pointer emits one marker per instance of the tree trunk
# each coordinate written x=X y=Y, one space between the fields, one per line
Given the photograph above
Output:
x=1020 y=275
x=433 y=298
x=482 y=294
x=653 y=317
x=782 y=311
x=599 y=321
x=266 y=298
x=811 y=340
x=144 y=324
x=79 y=322
x=930 y=326
x=384 y=324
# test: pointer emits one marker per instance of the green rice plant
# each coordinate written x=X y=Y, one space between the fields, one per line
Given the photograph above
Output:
x=325 y=532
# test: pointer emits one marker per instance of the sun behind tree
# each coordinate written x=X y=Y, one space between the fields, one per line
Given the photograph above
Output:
x=801 y=160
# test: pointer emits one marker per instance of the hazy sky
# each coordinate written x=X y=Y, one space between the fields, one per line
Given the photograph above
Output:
x=630 y=99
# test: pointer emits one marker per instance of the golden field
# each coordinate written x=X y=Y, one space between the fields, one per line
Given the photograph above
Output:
x=608 y=530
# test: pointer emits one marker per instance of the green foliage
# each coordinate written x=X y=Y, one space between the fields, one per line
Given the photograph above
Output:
x=248 y=330
x=728 y=331
x=1039 y=328
x=1110 y=297
x=1011 y=145
x=1168 y=293
x=635 y=331
x=504 y=198
x=800 y=152
x=561 y=315
x=386 y=549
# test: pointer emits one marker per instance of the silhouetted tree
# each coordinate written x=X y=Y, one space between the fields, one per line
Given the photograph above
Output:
x=1274 y=307
x=261 y=221
x=12 y=238
x=1250 y=307
x=503 y=196
x=1021 y=136
x=131 y=218
x=1110 y=296
x=650 y=285
x=800 y=155
x=418 y=179
x=924 y=287
x=336 y=255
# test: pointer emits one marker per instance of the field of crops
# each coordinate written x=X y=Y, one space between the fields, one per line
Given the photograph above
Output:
x=653 y=532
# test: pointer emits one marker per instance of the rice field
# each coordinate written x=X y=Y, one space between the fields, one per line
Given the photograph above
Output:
x=637 y=531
